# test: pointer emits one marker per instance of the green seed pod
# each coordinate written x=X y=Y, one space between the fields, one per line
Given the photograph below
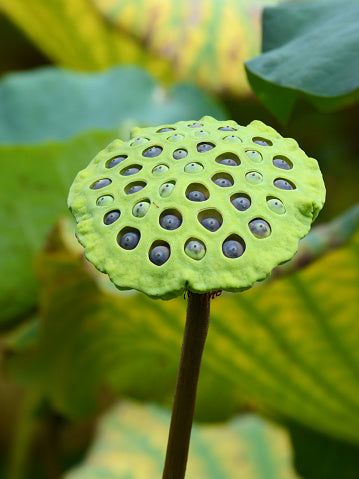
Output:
x=221 y=210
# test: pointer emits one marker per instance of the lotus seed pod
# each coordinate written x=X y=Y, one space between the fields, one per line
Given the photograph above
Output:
x=224 y=225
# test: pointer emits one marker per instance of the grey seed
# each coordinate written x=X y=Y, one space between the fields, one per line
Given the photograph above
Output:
x=283 y=184
x=282 y=163
x=152 y=151
x=159 y=255
x=163 y=130
x=195 y=125
x=130 y=171
x=111 y=217
x=211 y=224
x=101 y=183
x=203 y=147
x=170 y=222
x=260 y=228
x=130 y=240
x=228 y=162
x=232 y=249
x=241 y=203
x=223 y=182
x=134 y=189
x=115 y=161
x=196 y=196
x=262 y=142
x=195 y=249
x=179 y=154
x=227 y=128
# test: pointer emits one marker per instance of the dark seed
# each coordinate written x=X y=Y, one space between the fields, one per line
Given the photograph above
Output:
x=130 y=240
x=101 y=183
x=262 y=141
x=223 y=182
x=196 y=196
x=159 y=255
x=282 y=163
x=115 y=161
x=170 y=222
x=131 y=171
x=152 y=151
x=283 y=184
x=211 y=224
x=241 y=203
x=203 y=147
x=227 y=128
x=111 y=217
x=232 y=249
x=260 y=228
x=134 y=189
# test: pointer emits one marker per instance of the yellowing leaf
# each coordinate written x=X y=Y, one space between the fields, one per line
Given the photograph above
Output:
x=287 y=347
x=132 y=439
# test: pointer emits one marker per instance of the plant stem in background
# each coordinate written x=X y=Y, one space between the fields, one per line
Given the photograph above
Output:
x=194 y=339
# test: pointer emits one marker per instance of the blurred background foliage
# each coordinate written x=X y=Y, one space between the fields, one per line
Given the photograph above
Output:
x=280 y=372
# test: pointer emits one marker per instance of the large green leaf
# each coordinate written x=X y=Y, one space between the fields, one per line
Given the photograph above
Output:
x=53 y=104
x=132 y=438
x=287 y=347
x=309 y=49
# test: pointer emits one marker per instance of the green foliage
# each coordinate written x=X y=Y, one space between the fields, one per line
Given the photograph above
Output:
x=309 y=50
x=288 y=346
x=205 y=43
x=131 y=443
x=54 y=104
x=317 y=456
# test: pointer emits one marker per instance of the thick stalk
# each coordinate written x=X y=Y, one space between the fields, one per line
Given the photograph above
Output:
x=194 y=339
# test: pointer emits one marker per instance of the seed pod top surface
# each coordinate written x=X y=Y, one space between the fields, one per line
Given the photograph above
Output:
x=195 y=205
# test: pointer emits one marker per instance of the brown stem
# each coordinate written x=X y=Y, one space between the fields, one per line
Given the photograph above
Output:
x=194 y=339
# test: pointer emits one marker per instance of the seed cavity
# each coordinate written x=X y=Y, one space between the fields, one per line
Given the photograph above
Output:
x=166 y=128
x=180 y=153
x=201 y=133
x=282 y=162
x=283 y=184
x=254 y=178
x=275 y=205
x=115 y=161
x=131 y=170
x=105 y=200
x=203 y=147
x=152 y=151
x=224 y=180
x=195 y=124
x=134 y=187
x=259 y=228
x=195 y=249
x=193 y=167
x=128 y=238
x=228 y=159
x=254 y=156
x=262 y=141
x=233 y=138
x=175 y=137
x=233 y=247
x=210 y=219
x=197 y=192
x=227 y=128
x=111 y=217
x=140 y=141
x=166 y=189
x=241 y=201
x=100 y=183
x=159 y=253
x=170 y=219
x=160 y=169
x=140 y=209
